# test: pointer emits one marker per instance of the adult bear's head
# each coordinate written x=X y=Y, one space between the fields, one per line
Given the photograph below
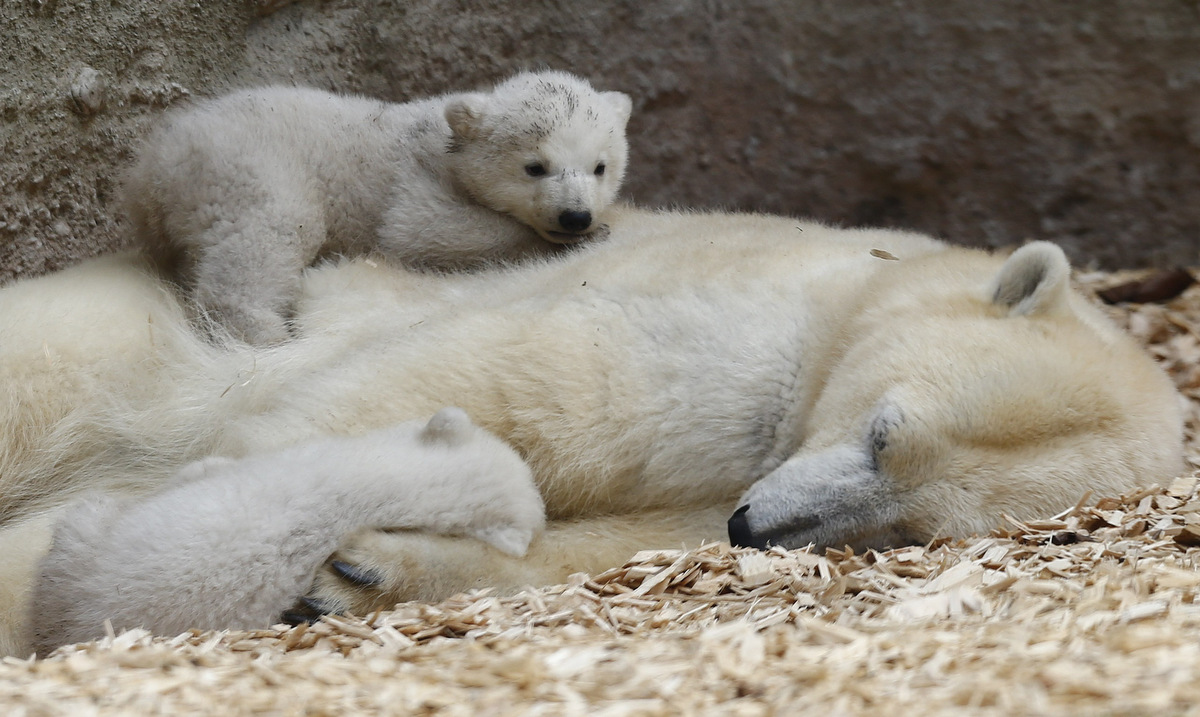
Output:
x=967 y=392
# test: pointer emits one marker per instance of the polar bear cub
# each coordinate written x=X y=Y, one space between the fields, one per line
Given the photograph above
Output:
x=236 y=196
x=228 y=541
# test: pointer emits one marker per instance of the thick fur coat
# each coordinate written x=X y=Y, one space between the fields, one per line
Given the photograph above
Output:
x=273 y=518
x=236 y=196
x=695 y=374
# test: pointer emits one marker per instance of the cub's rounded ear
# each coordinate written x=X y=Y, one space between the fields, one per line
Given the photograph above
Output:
x=450 y=426
x=621 y=104
x=465 y=115
x=1034 y=281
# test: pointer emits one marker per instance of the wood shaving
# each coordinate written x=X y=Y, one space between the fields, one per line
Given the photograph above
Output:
x=1092 y=611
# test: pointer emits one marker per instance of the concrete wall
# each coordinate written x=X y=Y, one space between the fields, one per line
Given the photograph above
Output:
x=984 y=123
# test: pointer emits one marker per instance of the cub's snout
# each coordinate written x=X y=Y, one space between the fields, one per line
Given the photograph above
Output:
x=575 y=222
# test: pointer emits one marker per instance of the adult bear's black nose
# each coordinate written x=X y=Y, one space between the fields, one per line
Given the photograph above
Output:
x=740 y=535
x=575 y=221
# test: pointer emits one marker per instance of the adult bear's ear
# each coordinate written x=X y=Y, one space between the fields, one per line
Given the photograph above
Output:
x=465 y=115
x=620 y=103
x=1034 y=281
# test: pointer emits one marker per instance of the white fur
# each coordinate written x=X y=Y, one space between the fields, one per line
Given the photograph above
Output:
x=231 y=541
x=654 y=383
x=235 y=196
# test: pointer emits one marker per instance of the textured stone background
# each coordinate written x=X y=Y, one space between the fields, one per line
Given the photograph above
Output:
x=984 y=123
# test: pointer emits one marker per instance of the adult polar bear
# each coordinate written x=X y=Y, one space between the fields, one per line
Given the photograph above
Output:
x=653 y=383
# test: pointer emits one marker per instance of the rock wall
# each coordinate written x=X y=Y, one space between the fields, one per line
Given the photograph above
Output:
x=984 y=123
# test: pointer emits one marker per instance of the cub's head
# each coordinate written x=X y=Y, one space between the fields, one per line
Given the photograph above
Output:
x=967 y=391
x=544 y=148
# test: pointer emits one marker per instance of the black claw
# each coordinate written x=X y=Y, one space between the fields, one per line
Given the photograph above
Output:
x=354 y=574
x=291 y=617
x=308 y=609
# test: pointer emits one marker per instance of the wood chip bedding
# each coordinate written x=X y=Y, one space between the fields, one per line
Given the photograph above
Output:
x=1091 y=612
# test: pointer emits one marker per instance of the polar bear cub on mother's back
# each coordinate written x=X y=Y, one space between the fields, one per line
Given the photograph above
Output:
x=236 y=196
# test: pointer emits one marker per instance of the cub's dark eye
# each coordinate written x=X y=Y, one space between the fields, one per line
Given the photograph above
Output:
x=600 y=169
x=537 y=169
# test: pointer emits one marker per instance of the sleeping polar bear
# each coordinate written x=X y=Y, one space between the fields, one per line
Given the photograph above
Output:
x=818 y=385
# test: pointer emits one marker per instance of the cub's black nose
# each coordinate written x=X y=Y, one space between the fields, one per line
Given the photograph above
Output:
x=575 y=221
x=740 y=535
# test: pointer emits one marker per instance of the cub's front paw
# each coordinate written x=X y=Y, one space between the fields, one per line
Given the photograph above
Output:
x=464 y=504
x=376 y=569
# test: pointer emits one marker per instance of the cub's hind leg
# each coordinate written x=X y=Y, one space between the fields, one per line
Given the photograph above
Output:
x=245 y=270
